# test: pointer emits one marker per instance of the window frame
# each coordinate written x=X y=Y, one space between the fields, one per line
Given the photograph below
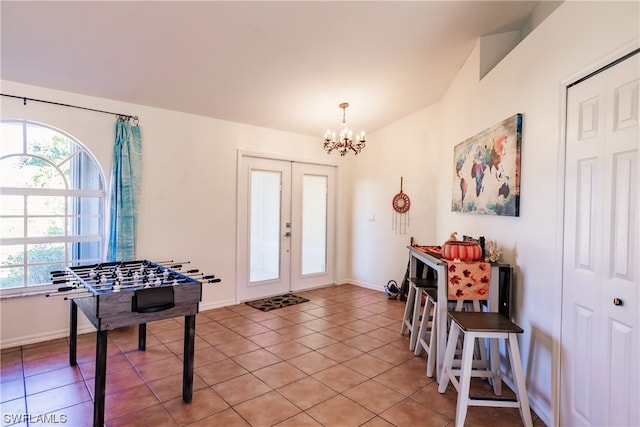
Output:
x=70 y=238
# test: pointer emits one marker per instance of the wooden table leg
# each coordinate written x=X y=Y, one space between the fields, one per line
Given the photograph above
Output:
x=188 y=357
x=441 y=312
x=101 y=378
x=73 y=332
x=142 y=336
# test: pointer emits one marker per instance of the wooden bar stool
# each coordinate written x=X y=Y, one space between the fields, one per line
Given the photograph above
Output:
x=428 y=330
x=426 y=338
x=411 y=318
x=483 y=325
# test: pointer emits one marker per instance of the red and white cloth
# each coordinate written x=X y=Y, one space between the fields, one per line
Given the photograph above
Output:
x=466 y=280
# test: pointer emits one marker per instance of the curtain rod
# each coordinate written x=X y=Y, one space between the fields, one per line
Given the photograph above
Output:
x=25 y=99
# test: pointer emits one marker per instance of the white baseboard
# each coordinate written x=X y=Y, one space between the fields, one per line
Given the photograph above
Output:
x=43 y=336
x=542 y=411
x=216 y=304
x=372 y=286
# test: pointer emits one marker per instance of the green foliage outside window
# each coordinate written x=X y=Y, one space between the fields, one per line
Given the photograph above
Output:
x=45 y=179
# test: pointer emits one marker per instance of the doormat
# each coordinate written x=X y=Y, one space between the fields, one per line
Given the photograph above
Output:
x=273 y=303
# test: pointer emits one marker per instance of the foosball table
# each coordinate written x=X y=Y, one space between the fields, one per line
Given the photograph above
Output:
x=119 y=294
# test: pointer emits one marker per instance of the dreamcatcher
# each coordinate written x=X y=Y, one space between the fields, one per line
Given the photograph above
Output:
x=400 y=204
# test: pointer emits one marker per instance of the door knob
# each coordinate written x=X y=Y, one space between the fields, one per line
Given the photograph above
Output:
x=287 y=234
x=618 y=302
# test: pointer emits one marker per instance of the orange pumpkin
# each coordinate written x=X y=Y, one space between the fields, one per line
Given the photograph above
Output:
x=464 y=251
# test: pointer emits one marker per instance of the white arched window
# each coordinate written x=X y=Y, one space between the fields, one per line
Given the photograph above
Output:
x=52 y=205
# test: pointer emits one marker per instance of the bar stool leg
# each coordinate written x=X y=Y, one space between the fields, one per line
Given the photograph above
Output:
x=415 y=321
x=465 y=378
x=496 y=379
x=449 y=354
x=421 y=342
x=431 y=361
x=408 y=310
x=424 y=327
x=516 y=367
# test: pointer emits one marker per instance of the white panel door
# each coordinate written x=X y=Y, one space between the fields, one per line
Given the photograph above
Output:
x=600 y=375
x=286 y=231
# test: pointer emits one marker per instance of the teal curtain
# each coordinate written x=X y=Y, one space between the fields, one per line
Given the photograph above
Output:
x=125 y=192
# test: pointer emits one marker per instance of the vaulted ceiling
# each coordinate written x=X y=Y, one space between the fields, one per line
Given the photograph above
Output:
x=283 y=65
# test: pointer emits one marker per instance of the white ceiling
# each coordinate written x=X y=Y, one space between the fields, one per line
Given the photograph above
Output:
x=283 y=65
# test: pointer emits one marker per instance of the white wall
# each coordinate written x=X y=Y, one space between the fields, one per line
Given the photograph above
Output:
x=528 y=81
x=405 y=149
x=188 y=195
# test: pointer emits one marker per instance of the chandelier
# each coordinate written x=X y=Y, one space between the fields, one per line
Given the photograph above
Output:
x=345 y=141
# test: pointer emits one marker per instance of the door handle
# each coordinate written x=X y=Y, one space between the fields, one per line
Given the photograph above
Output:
x=618 y=302
x=287 y=234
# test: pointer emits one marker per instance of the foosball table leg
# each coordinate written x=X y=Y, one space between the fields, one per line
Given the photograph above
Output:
x=142 y=336
x=188 y=357
x=73 y=332
x=101 y=378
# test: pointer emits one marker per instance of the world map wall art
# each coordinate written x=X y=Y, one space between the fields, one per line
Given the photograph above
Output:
x=486 y=176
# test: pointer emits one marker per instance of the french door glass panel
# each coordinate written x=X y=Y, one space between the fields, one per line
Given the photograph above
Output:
x=314 y=224
x=265 y=226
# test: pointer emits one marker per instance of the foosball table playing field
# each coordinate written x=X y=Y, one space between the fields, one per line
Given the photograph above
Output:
x=119 y=294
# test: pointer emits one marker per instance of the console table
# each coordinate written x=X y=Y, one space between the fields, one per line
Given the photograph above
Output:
x=499 y=293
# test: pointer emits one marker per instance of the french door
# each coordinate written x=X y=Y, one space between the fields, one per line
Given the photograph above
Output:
x=599 y=367
x=286 y=231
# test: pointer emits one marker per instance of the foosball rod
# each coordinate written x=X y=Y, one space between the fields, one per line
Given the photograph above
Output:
x=148 y=284
x=127 y=264
x=84 y=292
x=75 y=291
x=190 y=274
x=122 y=277
x=175 y=269
x=109 y=286
x=62 y=277
x=155 y=271
x=104 y=265
x=132 y=283
x=139 y=282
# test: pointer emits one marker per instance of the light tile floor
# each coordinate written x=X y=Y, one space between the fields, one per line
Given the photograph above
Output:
x=338 y=360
